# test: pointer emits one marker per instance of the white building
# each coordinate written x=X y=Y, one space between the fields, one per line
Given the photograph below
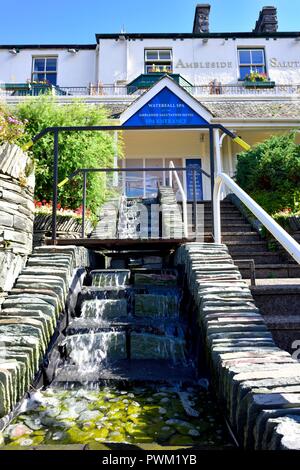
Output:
x=212 y=67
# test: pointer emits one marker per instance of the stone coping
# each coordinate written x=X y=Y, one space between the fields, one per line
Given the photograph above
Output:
x=255 y=381
x=29 y=316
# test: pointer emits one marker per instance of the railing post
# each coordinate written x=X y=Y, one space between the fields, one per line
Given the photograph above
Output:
x=170 y=177
x=217 y=211
x=195 y=222
x=83 y=205
x=212 y=173
x=55 y=183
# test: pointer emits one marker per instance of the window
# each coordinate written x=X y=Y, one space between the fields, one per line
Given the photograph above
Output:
x=158 y=60
x=251 y=60
x=44 y=69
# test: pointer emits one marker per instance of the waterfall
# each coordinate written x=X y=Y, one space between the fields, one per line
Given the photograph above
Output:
x=103 y=310
x=115 y=278
x=128 y=218
x=88 y=352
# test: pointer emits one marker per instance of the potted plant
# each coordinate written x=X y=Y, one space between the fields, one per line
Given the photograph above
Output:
x=258 y=80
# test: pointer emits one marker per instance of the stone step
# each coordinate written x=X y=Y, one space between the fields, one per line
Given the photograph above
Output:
x=235 y=247
x=157 y=371
x=226 y=218
x=231 y=227
x=262 y=257
x=265 y=271
x=126 y=324
x=244 y=236
x=281 y=298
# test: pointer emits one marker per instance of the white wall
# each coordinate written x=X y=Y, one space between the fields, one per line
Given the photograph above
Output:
x=124 y=60
x=115 y=54
x=72 y=69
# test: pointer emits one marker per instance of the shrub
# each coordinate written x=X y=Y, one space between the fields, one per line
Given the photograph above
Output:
x=11 y=128
x=76 y=149
x=270 y=173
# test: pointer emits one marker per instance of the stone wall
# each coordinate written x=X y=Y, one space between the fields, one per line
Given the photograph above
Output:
x=66 y=227
x=16 y=212
x=29 y=316
x=257 y=383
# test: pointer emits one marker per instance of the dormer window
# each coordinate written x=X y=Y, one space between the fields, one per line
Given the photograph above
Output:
x=158 y=61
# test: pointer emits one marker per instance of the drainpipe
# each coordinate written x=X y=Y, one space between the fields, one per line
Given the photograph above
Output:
x=97 y=64
x=218 y=169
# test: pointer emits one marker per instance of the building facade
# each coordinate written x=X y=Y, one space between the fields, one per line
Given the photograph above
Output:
x=249 y=82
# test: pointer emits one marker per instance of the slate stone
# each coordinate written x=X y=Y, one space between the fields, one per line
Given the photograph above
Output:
x=150 y=346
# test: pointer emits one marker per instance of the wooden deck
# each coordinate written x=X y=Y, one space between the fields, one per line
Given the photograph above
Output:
x=123 y=245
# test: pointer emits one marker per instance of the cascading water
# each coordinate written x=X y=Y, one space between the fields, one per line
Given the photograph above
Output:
x=126 y=335
x=115 y=278
x=128 y=226
x=89 y=352
x=103 y=310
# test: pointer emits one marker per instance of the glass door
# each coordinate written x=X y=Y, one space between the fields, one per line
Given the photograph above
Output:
x=153 y=177
x=134 y=180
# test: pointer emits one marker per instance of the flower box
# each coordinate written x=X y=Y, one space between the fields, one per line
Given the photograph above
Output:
x=258 y=84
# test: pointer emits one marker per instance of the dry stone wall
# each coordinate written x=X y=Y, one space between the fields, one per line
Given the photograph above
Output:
x=29 y=316
x=16 y=212
x=257 y=383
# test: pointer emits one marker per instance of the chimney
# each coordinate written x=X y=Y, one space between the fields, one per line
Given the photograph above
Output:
x=267 y=21
x=201 y=21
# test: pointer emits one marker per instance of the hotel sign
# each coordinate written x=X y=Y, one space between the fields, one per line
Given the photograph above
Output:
x=165 y=109
x=283 y=64
x=204 y=65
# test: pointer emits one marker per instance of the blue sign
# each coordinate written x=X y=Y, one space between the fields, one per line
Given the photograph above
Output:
x=193 y=163
x=165 y=109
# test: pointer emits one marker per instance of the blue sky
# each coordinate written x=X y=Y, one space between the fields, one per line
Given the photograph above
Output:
x=71 y=21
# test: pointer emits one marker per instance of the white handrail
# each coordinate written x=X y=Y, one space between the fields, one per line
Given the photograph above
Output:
x=184 y=198
x=274 y=228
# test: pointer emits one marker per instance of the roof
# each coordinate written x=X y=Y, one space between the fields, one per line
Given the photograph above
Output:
x=168 y=83
x=253 y=109
x=49 y=46
x=231 y=35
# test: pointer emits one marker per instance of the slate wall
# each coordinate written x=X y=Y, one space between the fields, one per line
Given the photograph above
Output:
x=16 y=212
x=257 y=383
x=29 y=316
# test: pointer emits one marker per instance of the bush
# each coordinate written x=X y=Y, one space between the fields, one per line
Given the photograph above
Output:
x=11 y=128
x=270 y=173
x=76 y=149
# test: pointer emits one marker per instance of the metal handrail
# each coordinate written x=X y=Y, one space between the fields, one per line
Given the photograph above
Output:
x=183 y=195
x=288 y=242
x=104 y=90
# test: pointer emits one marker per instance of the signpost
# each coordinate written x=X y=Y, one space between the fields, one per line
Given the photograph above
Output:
x=194 y=179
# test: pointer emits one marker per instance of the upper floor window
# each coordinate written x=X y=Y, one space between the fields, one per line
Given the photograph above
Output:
x=44 y=69
x=158 y=60
x=251 y=60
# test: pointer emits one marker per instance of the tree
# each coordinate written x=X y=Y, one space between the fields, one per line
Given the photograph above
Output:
x=89 y=149
x=270 y=173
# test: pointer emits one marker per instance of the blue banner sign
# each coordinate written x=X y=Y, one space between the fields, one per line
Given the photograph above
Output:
x=194 y=163
x=165 y=109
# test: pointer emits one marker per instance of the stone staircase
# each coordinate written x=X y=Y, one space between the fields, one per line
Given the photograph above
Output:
x=246 y=244
x=277 y=289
